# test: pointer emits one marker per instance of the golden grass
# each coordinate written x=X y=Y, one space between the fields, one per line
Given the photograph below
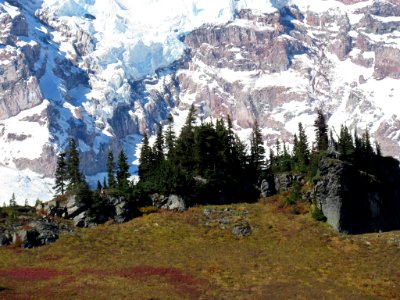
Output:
x=176 y=256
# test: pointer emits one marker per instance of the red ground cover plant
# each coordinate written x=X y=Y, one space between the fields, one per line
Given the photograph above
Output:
x=184 y=283
x=29 y=273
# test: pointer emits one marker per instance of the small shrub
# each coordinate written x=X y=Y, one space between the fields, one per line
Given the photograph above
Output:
x=294 y=196
x=148 y=210
x=318 y=215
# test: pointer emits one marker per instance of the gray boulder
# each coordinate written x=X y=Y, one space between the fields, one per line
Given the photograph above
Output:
x=83 y=220
x=267 y=187
x=38 y=233
x=175 y=203
x=241 y=229
x=74 y=208
x=122 y=210
x=172 y=202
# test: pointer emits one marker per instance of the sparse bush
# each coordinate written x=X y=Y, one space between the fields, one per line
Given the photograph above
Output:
x=294 y=196
x=317 y=214
x=148 y=210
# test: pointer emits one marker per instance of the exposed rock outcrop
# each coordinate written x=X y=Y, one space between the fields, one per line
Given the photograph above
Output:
x=354 y=201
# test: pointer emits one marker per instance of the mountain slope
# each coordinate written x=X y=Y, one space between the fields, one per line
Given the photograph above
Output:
x=104 y=72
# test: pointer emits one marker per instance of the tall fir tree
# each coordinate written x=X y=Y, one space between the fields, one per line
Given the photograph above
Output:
x=170 y=138
x=123 y=172
x=158 y=148
x=257 y=150
x=61 y=175
x=321 y=132
x=72 y=161
x=185 y=144
x=302 y=154
x=146 y=159
x=345 y=143
x=110 y=170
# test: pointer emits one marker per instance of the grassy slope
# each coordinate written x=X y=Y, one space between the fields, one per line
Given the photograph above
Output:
x=176 y=256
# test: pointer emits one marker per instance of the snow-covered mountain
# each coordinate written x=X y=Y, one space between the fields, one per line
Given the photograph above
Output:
x=105 y=71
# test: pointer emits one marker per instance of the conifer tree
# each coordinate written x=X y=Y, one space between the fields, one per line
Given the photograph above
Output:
x=99 y=186
x=321 y=131
x=110 y=170
x=186 y=142
x=104 y=184
x=72 y=162
x=302 y=154
x=158 y=149
x=345 y=142
x=146 y=159
x=13 y=201
x=170 y=138
x=123 y=172
x=366 y=144
x=61 y=175
x=257 y=149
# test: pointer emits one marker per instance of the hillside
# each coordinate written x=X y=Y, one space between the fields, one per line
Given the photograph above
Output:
x=194 y=255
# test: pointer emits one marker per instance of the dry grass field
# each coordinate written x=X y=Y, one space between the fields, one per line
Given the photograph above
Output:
x=194 y=255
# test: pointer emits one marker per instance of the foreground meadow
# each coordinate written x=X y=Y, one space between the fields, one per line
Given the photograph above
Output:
x=194 y=255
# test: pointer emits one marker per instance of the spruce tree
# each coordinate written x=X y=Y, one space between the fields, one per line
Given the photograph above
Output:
x=302 y=154
x=146 y=159
x=257 y=150
x=72 y=162
x=186 y=142
x=123 y=172
x=61 y=175
x=321 y=132
x=345 y=143
x=110 y=170
x=13 y=201
x=158 y=148
x=170 y=138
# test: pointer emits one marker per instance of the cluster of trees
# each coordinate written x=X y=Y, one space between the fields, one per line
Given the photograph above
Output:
x=304 y=158
x=209 y=163
x=205 y=163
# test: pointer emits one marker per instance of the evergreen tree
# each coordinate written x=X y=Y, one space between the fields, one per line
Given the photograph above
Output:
x=123 y=172
x=170 y=138
x=146 y=159
x=158 y=149
x=345 y=143
x=302 y=153
x=186 y=143
x=321 y=131
x=366 y=144
x=257 y=149
x=378 y=149
x=110 y=170
x=61 y=175
x=286 y=160
x=13 y=201
x=99 y=186
x=104 y=184
x=72 y=162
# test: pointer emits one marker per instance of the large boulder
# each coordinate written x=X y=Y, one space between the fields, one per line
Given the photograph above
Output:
x=122 y=210
x=38 y=233
x=267 y=187
x=354 y=201
x=172 y=202
x=175 y=203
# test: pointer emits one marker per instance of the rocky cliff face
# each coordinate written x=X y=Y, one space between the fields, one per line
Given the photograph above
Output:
x=275 y=67
x=354 y=201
